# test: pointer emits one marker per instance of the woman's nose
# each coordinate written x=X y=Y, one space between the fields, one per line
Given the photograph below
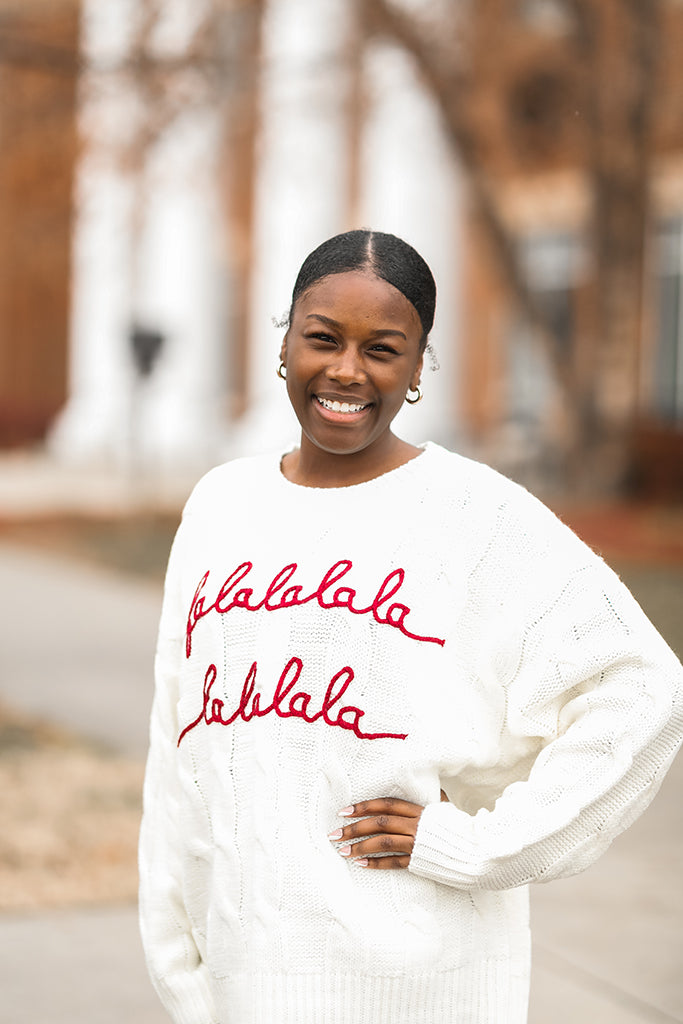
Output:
x=347 y=367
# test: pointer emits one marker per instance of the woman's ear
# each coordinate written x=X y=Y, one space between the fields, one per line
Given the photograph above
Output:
x=415 y=379
x=283 y=349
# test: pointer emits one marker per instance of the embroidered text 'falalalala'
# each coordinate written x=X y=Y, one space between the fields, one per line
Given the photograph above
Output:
x=282 y=593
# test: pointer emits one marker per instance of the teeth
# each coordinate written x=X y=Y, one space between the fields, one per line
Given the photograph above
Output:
x=340 y=406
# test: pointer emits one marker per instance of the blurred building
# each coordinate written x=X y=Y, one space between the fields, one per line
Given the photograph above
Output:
x=38 y=43
x=220 y=141
x=582 y=139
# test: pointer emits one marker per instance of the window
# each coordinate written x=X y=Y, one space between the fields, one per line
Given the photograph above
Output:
x=554 y=267
x=545 y=15
x=668 y=367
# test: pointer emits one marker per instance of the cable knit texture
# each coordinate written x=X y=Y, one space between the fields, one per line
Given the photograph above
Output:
x=434 y=628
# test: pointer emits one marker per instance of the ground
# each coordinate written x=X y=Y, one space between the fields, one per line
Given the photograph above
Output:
x=73 y=839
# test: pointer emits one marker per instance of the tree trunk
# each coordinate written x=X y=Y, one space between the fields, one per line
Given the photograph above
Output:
x=617 y=43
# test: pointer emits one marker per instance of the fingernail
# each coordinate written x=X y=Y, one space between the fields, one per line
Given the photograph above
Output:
x=337 y=834
x=346 y=812
x=344 y=851
x=362 y=863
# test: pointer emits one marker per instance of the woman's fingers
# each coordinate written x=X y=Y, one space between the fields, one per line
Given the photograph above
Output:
x=384 y=805
x=383 y=863
x=390 y=826
x=389 y=845
x=379 y=852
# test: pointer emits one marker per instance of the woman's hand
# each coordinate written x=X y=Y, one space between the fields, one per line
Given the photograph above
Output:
x=391 y=824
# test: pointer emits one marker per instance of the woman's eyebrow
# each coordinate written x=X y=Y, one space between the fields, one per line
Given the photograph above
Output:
x=382 y=332
x=325 y=319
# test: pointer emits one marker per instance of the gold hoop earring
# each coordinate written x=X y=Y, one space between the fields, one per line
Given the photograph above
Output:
x=414 y=401
x=280 y=371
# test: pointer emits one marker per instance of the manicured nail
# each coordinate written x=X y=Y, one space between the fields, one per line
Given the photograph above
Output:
x=361 y=863
x=337 y=834
x=344 y=851
x=346 y=812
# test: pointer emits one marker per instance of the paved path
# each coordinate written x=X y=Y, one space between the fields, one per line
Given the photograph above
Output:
x=75 y=967
x=76 y=645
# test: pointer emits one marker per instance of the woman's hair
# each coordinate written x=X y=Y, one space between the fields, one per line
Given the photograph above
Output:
x=383 y=255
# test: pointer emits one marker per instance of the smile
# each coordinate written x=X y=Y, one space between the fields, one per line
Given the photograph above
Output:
x=343 y=407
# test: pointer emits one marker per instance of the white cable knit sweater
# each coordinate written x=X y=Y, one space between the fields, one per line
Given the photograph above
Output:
x=436 y=627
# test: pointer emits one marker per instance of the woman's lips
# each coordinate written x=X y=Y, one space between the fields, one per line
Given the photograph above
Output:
x=338 y=412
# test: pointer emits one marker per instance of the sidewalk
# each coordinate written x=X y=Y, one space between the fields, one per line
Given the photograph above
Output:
x=77 y=648
x=75 y=967
x=32 y=483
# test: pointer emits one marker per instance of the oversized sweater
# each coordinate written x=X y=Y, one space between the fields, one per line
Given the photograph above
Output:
x=434 y=628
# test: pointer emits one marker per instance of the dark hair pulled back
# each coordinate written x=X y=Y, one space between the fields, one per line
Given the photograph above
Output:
x=381 y=254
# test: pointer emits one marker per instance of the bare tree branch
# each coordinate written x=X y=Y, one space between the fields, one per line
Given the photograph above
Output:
x=450 y=85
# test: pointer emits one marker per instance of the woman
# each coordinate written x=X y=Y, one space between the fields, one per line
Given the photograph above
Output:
x=351 y=634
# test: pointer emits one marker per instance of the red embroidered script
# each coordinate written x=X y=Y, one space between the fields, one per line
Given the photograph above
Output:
x=279 y=595
x=296 y=706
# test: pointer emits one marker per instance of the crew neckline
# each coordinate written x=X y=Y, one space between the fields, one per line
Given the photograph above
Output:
x=405 y=468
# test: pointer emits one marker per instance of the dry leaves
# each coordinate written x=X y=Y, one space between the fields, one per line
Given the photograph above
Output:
x=70 y=818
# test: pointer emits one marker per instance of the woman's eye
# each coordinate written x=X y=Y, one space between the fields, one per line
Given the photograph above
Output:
x=381 y=349
x=321 y=336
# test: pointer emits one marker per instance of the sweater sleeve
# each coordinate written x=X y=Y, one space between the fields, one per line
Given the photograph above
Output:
x=589 y=684
x=176 y=968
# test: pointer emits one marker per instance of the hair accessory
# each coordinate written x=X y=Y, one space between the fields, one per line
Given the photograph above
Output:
x=414 y=401
x=280 y=371
x=280 y=322
x=433 y=358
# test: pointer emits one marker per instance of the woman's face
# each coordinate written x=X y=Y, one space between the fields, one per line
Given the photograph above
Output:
x=352 y=351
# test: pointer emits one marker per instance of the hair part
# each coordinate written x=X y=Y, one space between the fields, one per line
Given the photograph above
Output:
x=386 y=256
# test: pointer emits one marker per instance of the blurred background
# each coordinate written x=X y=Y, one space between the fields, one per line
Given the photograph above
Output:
x=165 y=166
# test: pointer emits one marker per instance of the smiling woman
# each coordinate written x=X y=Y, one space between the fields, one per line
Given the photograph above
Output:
x=352 y=352
x=362 y=308
x=392 y=690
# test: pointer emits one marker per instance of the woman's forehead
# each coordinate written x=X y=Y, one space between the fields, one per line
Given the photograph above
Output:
x=357 y=293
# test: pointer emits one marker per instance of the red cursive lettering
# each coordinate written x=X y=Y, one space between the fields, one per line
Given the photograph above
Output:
x=279 y=595
x=285 y=706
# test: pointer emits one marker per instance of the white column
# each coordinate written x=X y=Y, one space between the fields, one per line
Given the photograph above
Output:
x=302 y=187
x=94 y=421
x=157 y=264
x=410 y=187
x=182 y=287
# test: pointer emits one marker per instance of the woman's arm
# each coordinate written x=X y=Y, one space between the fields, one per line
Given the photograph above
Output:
x=587 y=681
x=173 y=960
x=590 y=681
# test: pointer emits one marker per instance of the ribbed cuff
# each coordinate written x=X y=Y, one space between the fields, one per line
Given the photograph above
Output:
x=190 y=997
x=445 y=847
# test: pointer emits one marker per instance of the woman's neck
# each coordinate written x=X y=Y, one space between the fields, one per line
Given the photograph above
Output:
x=310 y=466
